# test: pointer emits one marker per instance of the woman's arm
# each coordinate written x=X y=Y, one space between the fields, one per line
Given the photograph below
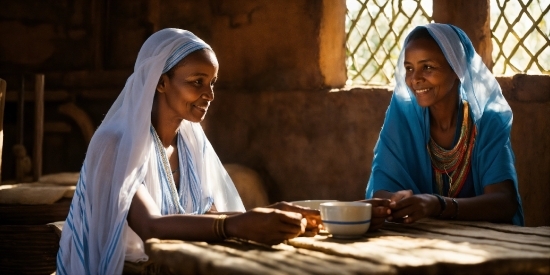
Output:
x=145 y=219
x=213 y=210
x=269 y=226
x=497 y=204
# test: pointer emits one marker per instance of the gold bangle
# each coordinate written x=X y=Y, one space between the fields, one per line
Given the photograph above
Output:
x=219 y=226
x=222 y=225
x=215 y=227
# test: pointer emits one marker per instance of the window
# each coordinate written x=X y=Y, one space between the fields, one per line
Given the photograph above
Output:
x=375 y=30
x=521 y=34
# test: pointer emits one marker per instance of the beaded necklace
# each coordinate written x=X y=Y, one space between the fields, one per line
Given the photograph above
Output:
x=456 y=162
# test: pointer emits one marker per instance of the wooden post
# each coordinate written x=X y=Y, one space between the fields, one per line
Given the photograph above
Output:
x=21 y=157
x=97 y=11
x=2 y=102
x=473 y=18
x=21 y=112
x=38 y=125
x=332 y=44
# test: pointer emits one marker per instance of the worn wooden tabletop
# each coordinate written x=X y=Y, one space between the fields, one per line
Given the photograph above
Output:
x=427 y=247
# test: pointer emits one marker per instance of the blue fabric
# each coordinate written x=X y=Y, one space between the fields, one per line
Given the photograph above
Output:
x=401 y=160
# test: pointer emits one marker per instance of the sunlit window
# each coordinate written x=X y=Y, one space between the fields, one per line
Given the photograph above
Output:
x=521 y=34
x=375 y=32
x=376 y=29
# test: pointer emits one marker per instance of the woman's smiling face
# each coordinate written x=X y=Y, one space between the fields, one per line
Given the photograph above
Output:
x=189 y=87
x=428 y=74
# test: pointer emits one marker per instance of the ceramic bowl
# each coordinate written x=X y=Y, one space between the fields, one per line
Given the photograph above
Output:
x=313 y=204
x=346 y=220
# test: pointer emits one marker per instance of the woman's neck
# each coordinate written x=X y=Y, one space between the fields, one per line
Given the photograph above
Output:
x=165 y=126
x=443 y=115
x=444 y=118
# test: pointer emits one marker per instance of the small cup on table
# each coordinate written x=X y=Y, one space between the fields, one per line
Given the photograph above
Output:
x=346 y=219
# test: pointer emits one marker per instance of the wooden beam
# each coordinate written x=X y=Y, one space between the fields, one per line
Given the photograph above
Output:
x=473 y=18
x=38 y=126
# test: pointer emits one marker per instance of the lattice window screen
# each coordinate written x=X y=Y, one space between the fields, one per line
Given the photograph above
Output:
x=376 y=29
x=521 y=31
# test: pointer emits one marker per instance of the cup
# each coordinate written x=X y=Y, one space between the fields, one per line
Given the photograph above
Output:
x=313 y=204
x=346 y=219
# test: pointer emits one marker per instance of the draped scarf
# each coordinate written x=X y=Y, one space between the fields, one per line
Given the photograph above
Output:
x=96 y=238
x=189 y=199
x=401 y=160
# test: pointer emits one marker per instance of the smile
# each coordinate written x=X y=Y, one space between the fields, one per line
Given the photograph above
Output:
x=204 y=108
x=421 y=91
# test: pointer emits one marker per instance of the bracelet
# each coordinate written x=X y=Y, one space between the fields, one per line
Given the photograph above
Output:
x=219 y=226
x=442 y=203
x=456 y=209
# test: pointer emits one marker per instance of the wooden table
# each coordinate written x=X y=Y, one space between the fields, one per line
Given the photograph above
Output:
x=426 y=247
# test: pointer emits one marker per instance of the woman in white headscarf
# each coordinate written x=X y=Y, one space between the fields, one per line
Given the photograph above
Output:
x=444 y=150
x=150 y=171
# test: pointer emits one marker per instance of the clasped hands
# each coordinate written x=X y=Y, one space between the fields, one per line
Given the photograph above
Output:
x=408 y=208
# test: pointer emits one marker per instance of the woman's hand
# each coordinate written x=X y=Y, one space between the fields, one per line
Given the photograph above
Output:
x=411 y=208
x=399 y=195
x=312 y=216
x=380 y=211
x=266 y=225
x=215 y=211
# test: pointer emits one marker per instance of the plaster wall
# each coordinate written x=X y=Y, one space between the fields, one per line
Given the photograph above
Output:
x=274 y=45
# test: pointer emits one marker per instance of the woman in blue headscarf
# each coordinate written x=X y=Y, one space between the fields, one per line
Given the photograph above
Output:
x=444 y=150
x=150 y=171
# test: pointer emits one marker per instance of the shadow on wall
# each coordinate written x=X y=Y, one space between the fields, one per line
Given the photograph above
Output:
x=319 y=145
x=249 y=184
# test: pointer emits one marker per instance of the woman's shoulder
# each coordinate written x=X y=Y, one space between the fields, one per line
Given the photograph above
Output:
x=105 y=136
x=494 y=124
x=496 y=117
x=104 y=145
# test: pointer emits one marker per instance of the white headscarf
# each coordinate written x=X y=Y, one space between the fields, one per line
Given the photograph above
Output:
x=121 y=156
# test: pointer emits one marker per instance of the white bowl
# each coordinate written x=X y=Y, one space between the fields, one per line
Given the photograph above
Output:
x=313 y=204
x=346 y=219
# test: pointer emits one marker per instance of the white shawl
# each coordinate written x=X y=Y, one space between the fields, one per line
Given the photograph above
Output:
x=121 y=155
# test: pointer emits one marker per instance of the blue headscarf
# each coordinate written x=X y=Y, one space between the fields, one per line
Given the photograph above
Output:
x=401 y=160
